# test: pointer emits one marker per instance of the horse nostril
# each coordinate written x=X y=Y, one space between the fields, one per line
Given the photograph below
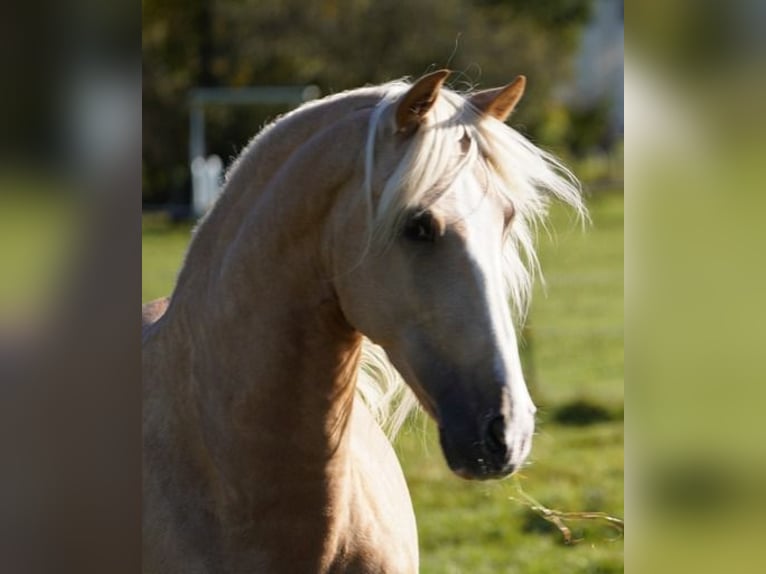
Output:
x=495 y=438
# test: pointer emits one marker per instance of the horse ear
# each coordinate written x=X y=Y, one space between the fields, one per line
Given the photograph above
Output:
x=500 y=102
x=419 y=99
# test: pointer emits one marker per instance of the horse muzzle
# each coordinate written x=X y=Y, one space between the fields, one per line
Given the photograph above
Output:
x=494 y=447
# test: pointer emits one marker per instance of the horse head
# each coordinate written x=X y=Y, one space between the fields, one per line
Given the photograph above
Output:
x=427 y=262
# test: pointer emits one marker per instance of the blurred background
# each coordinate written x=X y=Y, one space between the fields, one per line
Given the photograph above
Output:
x=571 y=50
x=70 y=275
x=80 y=206
x=216 y=71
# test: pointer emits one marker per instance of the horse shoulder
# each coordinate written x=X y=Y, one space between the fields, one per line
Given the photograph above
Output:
x=382 y=534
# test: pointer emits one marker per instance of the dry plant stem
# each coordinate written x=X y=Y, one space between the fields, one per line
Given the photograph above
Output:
x=558 y=517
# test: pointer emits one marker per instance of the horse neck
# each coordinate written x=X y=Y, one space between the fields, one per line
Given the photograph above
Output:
x=257 y=165
x=272 y=362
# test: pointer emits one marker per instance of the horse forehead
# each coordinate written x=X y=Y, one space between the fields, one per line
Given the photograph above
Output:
x=473 y=204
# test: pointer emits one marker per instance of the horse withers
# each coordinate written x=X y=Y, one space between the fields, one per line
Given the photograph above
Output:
x=395 y=217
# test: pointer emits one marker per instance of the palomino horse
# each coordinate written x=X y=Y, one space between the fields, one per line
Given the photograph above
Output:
x=399 y=213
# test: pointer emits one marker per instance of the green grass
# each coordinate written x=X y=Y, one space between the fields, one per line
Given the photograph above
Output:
x=573 y=352
x=162 y=249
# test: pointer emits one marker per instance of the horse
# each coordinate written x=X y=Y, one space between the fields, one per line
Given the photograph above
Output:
x=376 y=231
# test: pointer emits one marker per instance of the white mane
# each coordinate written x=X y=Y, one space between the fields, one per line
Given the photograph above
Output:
x=524 y=175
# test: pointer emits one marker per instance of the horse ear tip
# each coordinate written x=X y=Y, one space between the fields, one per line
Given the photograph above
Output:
x=440 y=76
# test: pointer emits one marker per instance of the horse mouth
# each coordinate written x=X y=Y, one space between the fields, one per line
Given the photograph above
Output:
x=484 y=473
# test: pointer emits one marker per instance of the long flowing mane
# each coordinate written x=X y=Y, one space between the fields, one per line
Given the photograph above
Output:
x=518 y=171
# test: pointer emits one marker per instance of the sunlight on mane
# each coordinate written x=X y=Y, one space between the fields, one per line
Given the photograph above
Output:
x=524 y=175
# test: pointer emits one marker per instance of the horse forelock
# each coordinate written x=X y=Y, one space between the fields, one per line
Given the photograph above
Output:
x=521 y=174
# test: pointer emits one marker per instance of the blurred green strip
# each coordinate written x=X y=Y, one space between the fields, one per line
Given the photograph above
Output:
x=37 y=235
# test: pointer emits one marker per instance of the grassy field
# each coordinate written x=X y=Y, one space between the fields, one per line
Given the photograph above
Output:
x=573 y=351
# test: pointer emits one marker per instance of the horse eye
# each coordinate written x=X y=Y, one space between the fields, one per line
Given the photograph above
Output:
x=420 y=227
